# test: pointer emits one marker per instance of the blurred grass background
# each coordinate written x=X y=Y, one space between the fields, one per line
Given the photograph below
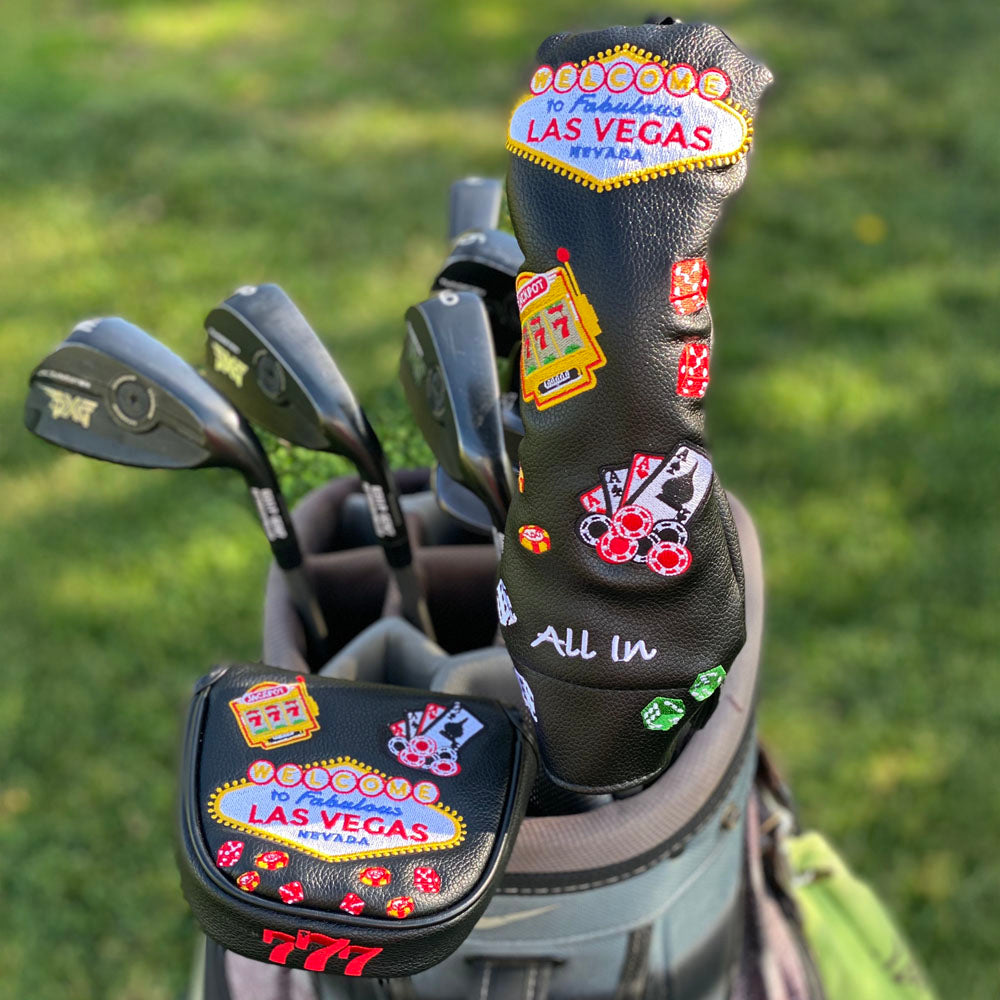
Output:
x=153 y=156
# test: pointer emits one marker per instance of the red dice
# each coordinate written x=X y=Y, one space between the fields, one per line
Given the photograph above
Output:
x=271 y=860
x=291 y=893
x=248 y=881
x=352 y=904
x=692 y=371
x=426 y=880
x=689 y=285
x=376 y=876
x=229 y=853
x=400 y=907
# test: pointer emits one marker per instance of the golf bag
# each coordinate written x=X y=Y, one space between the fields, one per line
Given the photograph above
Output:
x=671 y=891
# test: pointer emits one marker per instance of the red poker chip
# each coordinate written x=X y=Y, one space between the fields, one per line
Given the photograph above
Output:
x=615 y=548
x=412 y=759
x=668 y=559
x=632 y=521
x=445 y=768
x=423 y=745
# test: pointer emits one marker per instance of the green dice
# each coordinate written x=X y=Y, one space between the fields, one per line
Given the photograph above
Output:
x=705 y=683
x=663 y=713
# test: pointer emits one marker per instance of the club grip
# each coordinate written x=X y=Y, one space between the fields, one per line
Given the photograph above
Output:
x=621 y=584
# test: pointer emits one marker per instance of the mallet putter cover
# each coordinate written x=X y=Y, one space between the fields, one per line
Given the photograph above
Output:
x=354 y=829
x=621 y=585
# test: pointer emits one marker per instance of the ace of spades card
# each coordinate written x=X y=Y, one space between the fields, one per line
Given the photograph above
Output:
x=678 y=488
x=455 y=728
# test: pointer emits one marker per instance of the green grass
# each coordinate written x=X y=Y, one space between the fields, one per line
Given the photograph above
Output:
x=153 y=156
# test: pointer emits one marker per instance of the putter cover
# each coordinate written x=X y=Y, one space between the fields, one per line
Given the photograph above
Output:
x=354 y=829
x=621 y=586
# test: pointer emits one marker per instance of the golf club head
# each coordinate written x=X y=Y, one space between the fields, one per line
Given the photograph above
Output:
x=487 y=261
x=448 y=371
x=113 y=392
x=460 y=503
x=263 y=354
x=473 y=203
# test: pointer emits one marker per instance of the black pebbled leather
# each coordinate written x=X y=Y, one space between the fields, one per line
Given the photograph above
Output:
x=486 y=799
x=621 y=246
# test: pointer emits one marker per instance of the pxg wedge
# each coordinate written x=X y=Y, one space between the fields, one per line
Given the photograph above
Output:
x=113 y=392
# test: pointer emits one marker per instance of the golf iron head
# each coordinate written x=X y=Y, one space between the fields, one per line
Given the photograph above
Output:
x=448 y=372
x=263 y=354
x=112 y=392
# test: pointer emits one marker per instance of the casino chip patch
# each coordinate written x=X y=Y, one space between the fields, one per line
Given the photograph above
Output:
x=668 y=559
x=534 y=538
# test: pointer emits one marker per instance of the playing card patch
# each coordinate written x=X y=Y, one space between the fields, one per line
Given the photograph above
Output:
x=639 y=513
x=430 y=740
x=360 y=813
x=689 y=285
x=274 y=714
x=692 y=371
x=627 y=115
x=559 y=331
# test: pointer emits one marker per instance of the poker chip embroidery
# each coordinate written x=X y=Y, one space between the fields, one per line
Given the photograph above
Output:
x=627 y=115
x=400 y=907
x=248 y=881
x=559 y=331
x=375 y=876
x=689 y=286
x=271 y=860
x=692 y=371
x=534 y=538
x=291 y=893
x=430 y=739
x=639 y=512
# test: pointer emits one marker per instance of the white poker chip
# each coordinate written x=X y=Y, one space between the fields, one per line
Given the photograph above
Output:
x=397 y=745
x=668 y=559
x=615 y=548
x=447 y=753
x=669 y=531
x=632 y=521
x=445 y=768
x=593 y=527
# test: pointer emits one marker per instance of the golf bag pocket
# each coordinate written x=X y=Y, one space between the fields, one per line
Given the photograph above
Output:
x=355 y=829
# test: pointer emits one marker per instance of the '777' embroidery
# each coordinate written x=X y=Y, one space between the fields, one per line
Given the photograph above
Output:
x=285 y=944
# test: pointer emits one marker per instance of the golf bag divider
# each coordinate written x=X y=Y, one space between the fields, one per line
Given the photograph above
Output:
x=340 y=827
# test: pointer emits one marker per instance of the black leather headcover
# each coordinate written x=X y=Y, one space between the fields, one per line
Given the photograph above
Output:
x=350 y=828
x=621 y=585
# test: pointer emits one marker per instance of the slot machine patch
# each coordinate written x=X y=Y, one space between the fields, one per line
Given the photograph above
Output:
x=559 y=331
x=359 y=812
x=273 y=714
x=626 y=115
x=429 y=740
x=638 y=512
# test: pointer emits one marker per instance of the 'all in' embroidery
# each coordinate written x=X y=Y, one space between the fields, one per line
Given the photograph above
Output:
x=559 y=331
